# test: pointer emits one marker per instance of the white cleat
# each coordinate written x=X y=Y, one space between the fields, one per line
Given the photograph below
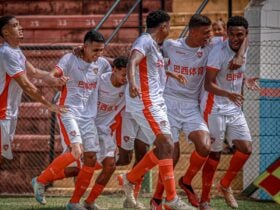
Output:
x=39 y=191
x=128 y=189
x=177 y=204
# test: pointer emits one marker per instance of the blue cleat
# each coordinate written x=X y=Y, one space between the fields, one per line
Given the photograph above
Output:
x=39 y=191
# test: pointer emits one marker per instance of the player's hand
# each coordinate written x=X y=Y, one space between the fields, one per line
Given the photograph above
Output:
x=57 y=109
x=134 y=91
x=252 y=83
x=236 y=98
x=76 y=150
x=181 y=79
x=236 y=63
x=78 y=51
x=61 y=81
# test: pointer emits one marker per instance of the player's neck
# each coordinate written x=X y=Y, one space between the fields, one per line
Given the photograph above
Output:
x=114 y=82
x=155 y=35
x=14 y=43
x=191 y=42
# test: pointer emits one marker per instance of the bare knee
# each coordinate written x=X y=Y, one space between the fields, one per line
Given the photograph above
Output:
x=89 y=159
x=164 y=147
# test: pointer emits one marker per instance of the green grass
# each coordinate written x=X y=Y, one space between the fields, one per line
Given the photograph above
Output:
x=115 y=202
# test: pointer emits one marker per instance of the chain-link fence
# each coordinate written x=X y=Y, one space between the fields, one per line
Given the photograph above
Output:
x=37 y=140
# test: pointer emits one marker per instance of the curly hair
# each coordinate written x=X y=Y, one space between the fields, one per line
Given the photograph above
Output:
x=237 y=21
x=120 y=62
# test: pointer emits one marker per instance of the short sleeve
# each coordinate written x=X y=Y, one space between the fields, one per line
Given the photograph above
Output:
x=63 y=63
x=14 y=63
x=105 y=65
x=142 y=44
x=215 y=58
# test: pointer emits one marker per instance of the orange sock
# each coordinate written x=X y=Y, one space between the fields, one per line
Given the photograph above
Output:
x=207 y=178
x=167 y=176
x=137 y=187
x=82 y=183
x=159 y=189
x=147 y=162
x=60 y=175
x=96 y=190
x=196 y=162
x=55 y=167
x=97 y=166
x=236 y=163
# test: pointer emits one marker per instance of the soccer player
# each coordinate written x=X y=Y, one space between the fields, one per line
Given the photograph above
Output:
x=77 y=126
x=14 y=73
x=221 y=106
x=144 y=101
x=111 y=102
x=188 y=56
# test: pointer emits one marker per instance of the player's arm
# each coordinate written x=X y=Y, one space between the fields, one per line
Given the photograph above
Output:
x=49 y=78
x=179 y=77
x=238 y=59
x=135 y=58
x=35 y=94
x=210 y=86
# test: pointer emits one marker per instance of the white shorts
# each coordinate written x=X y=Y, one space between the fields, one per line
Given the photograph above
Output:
x=184 y=117
x=229 y=127
x=78 y=130
x=7 y=132
x=107 y=147
x=130 y=131
x=153 y=121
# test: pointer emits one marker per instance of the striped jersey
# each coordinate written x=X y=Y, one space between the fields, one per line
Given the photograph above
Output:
x=148 y=75
x=230 y=80
x=12 y=64
x=191 y=62
x=110 y=104
x=80 y=93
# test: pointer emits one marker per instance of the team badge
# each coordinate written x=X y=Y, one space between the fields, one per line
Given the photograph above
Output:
x=121 y=94
x=6 y=147
x=126 y=138
x=73 y=133
x=163 y=123
x=212 y=140
x=199 y=54
x=95 y=70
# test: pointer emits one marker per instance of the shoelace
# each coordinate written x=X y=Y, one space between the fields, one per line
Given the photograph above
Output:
x=41 y=190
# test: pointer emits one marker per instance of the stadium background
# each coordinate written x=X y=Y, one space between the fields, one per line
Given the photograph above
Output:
x=52 y=28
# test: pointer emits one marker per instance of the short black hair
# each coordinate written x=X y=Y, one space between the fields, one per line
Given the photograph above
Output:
x=198 y=20
x=4 y=20
x=237 y=21
x=155 y=18
x=120 y=62
x=94 y=36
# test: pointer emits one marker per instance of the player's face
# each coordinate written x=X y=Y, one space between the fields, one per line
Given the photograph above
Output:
x=93 y=50
x=120 y=75
x=165 y=29
x=13 y=29
x=201 y=35
x=236 y=36
x=218 y=29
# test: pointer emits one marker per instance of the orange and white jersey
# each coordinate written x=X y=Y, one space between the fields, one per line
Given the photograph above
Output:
x=80 y=93
x=148 y=77
x=110 y=104
x=12 y=64
x=218 y=60
x=191 y=62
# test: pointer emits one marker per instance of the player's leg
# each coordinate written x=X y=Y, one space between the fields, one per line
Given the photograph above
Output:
x=237 y=133
x=7 y=130
x=91 y=147
x=217 y=128
x=68 y=127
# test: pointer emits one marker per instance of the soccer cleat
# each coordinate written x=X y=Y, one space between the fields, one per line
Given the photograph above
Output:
x=192 y=197
x=128 y=189
x=75 y=206
x=129 y=205
x=177 y=204
x=93 y=206
x=154 y=205
x=228 y=195
x=39 y=191
x=205 y=206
